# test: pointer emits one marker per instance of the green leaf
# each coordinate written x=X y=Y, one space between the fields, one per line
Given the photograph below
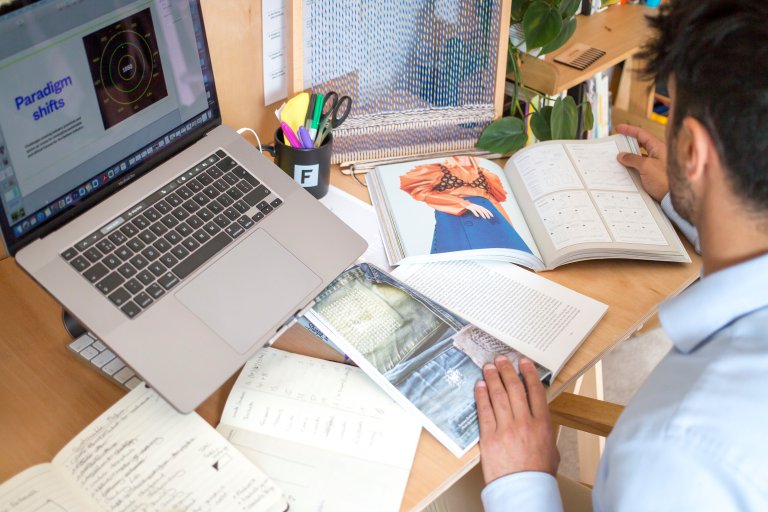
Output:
x=588 y=116
x=565 y=119
x=565 y=34
x=568 y=8
x=540 y=123
x=541 y=24
x=518 y=9
x=503 y=136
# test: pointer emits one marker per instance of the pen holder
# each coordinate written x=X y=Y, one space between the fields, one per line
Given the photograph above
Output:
x=310 y=168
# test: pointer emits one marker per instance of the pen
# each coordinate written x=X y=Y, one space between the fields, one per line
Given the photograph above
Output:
x=316 y=116
x=310 y=111
x=306 y=140
x=289 y=136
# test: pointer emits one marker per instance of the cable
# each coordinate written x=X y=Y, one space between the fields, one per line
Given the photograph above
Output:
x=249 y=130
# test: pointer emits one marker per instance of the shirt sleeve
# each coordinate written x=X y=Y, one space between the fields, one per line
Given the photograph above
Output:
x=495 y=187
x=420 y=182
x=528 y=491
x=673 y=474
x=686 y=227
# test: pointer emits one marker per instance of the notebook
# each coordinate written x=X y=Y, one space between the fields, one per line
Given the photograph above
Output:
x=162 y=231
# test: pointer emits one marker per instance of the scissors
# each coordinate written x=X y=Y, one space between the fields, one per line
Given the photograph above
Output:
x=332 y=117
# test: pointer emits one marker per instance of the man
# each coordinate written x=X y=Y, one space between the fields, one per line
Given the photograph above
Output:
x=693 y=436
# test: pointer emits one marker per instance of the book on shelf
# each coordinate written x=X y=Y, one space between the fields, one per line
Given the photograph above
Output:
x=329 y=436
x=552 y=203
x=141 y=454
x=427 y=354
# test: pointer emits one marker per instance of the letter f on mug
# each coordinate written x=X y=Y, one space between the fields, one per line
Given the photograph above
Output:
x=306 y=175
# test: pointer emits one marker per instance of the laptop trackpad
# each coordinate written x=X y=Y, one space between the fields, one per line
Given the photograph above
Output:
x=248 y=290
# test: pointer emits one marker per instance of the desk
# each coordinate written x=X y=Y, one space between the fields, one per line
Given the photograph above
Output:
x=47 y=395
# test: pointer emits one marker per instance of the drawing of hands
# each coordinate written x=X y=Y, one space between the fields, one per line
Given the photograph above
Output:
x=479 y=211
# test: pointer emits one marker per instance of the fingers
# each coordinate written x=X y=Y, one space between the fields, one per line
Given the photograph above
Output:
x=485 y=416
x=518 y=401
x=498 y=396
x=537 y=395
x=485 y=212
x=648 y=141
x=631 y=160
x=479 y=211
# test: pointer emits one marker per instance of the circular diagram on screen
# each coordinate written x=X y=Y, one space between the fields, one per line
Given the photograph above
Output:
x=125 y=67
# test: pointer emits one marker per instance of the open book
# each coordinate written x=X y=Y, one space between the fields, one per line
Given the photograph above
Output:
x=553 y=203
x=141 y=454
x=428 y=357
x=324 y=431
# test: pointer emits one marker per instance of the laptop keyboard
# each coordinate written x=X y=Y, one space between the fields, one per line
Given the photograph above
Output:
x=137 y=257
x=96 y=353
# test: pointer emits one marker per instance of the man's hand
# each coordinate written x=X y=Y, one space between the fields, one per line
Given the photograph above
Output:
x=515 y=430
x=479 y=211
x=652 y=168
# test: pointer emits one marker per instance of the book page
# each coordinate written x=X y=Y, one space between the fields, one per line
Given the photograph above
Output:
x=483 y=348
x=362 y=218
x=580 y=202
x=404 y=343
x=428 y=221
x=542 y=320
x=329 y=436
x=141 y=454
x=41 y=489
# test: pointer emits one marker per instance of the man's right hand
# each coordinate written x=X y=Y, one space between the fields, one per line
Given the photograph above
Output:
x=652 y=168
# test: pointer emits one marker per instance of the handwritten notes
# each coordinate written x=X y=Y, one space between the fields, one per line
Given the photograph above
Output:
x=142 y=455
x=324 y=431
x=42 y=489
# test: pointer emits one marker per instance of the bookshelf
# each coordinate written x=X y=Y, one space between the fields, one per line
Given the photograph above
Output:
x=620 y=31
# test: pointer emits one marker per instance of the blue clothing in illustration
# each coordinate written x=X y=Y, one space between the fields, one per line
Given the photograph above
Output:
x=466 y=231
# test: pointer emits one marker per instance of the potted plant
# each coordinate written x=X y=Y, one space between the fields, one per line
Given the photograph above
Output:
x=537 y=27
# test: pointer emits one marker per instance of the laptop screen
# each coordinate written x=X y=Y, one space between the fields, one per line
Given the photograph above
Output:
x=93 y=93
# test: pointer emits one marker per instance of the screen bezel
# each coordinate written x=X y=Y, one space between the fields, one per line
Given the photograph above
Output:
x=13 y=243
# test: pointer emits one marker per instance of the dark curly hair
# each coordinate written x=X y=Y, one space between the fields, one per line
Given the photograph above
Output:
x=717 y=53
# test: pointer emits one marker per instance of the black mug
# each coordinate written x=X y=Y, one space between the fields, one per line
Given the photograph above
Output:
x=310 y=167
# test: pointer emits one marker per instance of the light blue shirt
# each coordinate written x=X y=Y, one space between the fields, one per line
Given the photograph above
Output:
x=694 y=435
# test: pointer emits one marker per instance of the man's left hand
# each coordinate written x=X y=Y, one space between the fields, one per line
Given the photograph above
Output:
x=515 y=429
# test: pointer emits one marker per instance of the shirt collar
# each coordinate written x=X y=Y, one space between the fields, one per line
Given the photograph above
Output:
x=714 y=302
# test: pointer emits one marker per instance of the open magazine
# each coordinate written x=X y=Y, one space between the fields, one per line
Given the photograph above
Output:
x=553 y=203
x=428 y=358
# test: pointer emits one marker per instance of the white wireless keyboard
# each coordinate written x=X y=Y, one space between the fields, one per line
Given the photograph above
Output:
x=94 y=352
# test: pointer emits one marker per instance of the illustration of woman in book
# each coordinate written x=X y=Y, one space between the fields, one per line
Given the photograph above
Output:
x=466 y=200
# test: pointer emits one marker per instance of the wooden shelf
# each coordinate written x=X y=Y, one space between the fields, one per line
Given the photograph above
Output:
x=620 y=31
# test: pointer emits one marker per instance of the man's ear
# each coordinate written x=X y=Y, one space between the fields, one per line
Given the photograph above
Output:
x=695 y=148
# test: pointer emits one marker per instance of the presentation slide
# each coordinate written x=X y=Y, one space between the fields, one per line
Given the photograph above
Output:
x=74 y=96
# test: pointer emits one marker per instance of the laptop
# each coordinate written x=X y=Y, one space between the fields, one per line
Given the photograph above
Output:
x=159 y=229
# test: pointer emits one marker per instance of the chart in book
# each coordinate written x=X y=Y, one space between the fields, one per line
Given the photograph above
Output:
x=571 y=218
x=628 y=218
x=125 y=67
x=600 y=168
x=546 y=169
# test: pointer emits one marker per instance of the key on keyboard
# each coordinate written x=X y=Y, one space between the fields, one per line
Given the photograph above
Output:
x=103 y=360
x=138 y=256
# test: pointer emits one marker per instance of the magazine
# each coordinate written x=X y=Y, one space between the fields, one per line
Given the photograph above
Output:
x=553 y=203
x=428 y=358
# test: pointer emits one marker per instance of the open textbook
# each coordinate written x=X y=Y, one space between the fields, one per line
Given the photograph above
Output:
x=329 y=436
x=428 y=356
x=553 y=203
x=141 y=454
